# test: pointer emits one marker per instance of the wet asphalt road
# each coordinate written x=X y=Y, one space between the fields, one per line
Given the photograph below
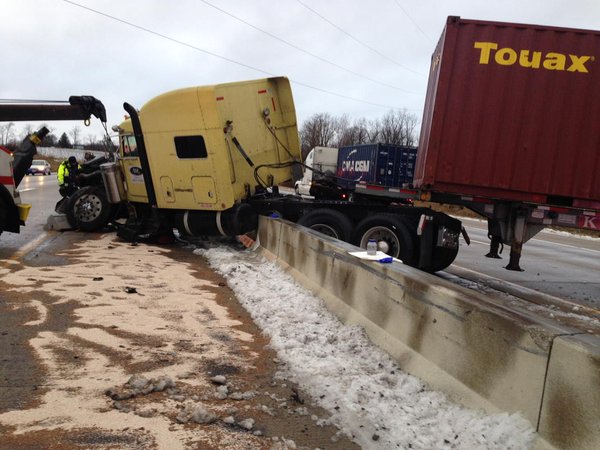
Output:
x=564 y=266
x=18 y=370
x=42 y=192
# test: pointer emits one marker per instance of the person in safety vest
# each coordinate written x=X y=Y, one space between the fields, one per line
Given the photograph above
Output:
x=67 y=176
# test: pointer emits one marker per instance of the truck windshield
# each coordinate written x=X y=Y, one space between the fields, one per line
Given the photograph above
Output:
x=129 y=146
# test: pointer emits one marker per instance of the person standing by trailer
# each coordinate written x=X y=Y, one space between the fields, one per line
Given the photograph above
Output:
x=67 y=176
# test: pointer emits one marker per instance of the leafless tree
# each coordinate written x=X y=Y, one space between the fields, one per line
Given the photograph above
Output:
x=355 y=133
x=7 y=133
x=395 y=127
x=318 y=130
x=75 y=133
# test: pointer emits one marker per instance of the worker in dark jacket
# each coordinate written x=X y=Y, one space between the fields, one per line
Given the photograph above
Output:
x=67 y=176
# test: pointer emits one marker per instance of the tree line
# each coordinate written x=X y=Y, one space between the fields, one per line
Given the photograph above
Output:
x=11 y=137
x=325 y=130
x=322 y=129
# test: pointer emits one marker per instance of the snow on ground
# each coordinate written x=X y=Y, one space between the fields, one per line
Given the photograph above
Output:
x=368 y=396
x=569 y=234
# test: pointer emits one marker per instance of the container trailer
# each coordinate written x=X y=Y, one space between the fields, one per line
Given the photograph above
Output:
x=511 y=129
x=376 y=164
x=334 y=173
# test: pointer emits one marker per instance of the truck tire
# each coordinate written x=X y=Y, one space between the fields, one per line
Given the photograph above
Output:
x=329 y=222
x=88 y=209
x=392 y=235
x=9 y=214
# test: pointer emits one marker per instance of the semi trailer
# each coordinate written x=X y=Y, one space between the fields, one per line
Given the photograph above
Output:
x=511 y=129
x=335 y=172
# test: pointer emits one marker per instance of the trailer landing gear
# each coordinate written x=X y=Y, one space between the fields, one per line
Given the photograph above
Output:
x=516 y=247
x=515 y=257
x=495 y=243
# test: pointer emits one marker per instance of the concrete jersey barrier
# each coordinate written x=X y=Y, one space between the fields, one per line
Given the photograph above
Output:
x=483 y=352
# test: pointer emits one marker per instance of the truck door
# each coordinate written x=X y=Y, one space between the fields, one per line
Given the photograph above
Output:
x=132 y=170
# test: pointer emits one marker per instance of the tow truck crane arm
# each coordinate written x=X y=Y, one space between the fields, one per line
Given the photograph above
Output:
x=13 y=167
x=79 y=108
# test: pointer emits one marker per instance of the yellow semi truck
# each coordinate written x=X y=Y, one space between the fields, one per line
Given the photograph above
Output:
x=208 y=160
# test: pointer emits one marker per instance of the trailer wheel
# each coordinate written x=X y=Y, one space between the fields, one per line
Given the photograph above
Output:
x=329 y=222
x=88 y=209
x=391 y=234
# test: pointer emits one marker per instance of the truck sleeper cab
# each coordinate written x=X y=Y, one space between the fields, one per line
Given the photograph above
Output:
x=206 y=149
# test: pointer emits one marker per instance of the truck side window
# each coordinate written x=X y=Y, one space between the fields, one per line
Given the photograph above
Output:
x=129 y=146
x=189 y=147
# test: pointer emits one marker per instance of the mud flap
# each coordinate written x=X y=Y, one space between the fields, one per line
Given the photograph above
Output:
x=426 y=228
x=61 y=205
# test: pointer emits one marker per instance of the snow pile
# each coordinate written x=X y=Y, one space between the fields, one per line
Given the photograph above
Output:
x=139 y=385
x=370 y=399
x=196 y=412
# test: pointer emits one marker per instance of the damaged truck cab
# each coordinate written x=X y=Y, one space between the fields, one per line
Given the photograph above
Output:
x=189 y=158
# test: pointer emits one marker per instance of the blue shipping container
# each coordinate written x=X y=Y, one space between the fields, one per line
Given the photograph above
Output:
x=379 y=164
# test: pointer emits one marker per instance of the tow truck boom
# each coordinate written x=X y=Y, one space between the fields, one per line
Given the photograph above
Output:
x=13 y=167
x=79 y=108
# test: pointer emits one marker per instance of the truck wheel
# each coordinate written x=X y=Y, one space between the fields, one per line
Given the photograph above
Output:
x=329 y=222
x=89 y=209
x=391 y=234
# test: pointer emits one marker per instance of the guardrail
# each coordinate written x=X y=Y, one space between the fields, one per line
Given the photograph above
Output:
x=482 y=351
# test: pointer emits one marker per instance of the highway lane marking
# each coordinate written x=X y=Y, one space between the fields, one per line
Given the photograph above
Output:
x=480 y=242
x=23 y=250
x=567 y=245
x=548 y=242
x=30 y=245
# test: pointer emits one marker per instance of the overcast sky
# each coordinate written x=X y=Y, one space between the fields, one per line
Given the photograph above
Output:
x=343 y=56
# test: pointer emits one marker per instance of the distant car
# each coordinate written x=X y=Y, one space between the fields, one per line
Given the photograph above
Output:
x=39 y=166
